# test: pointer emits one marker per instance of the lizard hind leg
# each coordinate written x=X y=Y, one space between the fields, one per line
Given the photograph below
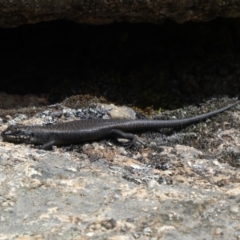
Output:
x=120 y=134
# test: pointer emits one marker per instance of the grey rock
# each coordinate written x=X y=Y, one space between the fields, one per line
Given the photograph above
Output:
x=102 y=191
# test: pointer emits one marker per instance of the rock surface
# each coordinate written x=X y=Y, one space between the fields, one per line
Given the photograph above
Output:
x=183 y=185
x=16 y=12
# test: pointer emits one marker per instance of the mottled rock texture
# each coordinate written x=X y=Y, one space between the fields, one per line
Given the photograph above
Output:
x=17 y=12
x=183 y=185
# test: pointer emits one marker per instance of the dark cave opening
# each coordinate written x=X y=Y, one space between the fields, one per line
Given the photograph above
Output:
x=142 y=64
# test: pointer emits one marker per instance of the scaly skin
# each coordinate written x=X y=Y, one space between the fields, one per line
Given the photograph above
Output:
x=93 y=129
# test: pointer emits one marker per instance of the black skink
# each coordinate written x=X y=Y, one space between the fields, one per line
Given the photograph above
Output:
x=93 y=129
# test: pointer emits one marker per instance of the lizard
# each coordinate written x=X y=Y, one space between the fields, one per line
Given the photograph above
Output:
x=94 y=129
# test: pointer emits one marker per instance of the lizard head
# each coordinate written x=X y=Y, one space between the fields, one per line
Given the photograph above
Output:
x=17 y=133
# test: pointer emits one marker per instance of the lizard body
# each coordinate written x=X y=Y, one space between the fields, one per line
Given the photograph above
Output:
x=93 y=129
